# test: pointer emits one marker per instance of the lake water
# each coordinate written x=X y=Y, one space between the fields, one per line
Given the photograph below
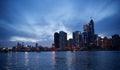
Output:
x=79 y=60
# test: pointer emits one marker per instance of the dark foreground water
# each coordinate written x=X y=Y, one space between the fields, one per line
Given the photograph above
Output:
x=80 y=60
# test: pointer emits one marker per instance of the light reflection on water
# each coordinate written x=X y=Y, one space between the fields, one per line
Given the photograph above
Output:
x=27 y=60
x=80 y=60
x=53 y=59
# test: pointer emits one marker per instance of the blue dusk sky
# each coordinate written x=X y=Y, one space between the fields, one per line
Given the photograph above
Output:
x=34 y=21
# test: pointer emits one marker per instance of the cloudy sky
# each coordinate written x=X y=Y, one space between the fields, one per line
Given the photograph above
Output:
x=36 y=20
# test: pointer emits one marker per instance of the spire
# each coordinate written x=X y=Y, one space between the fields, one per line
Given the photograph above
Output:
x=91 y=20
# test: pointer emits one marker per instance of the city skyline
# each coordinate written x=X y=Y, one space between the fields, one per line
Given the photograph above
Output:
x=36 y=21
x=79 y=39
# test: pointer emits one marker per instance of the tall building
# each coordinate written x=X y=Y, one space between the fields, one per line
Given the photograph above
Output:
x=85 y=35
x=77 y=38
x=36 y=45
x=85 y=39
x=88 y=34
x=91 y=31
x=86 y=28
x=116 y=42
x=56 y=39
x=81 y=40
x=62 y=39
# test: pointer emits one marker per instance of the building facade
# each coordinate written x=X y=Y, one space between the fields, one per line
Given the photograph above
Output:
x=62 y=39
x=116 y=42
x=56 y=39
x=77 y=38
x=91 y=32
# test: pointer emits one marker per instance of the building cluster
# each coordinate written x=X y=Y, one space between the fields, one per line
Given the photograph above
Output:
x=86 y=39
x=21 y=47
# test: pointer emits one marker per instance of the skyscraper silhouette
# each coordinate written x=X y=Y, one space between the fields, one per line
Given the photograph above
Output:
x=56 y=39
x=85 y=38
x=91 y=31
x=86 y=28
x=77 y=38
x=62 y=39
x=88 y=34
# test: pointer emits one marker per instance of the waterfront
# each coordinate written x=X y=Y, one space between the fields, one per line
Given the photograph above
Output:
x=63 y=60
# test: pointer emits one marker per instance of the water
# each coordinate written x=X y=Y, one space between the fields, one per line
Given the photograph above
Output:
x=80 y=60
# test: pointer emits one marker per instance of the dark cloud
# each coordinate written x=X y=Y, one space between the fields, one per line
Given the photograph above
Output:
x=109 y=25
x=41 y=18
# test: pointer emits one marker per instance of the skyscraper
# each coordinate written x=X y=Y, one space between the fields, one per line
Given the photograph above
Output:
x=62 y=39
x=88 y=34
x=85 y=35
x=85 y=39
x=91 y=31
x=77 y=38
x=56 y=39
x=86 y=28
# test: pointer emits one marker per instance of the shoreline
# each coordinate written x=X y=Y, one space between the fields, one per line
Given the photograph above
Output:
x=54 y=50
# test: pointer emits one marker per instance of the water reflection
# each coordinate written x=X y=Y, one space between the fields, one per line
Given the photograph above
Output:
x=26 y=58
x=63 y=60
x=87 y=60
x=69 y=60
x=9 y=61
x=89 y=64
x=16 y=58
x=80 y=60
x=75 y=60
x=60 y=61
x=53 y=59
